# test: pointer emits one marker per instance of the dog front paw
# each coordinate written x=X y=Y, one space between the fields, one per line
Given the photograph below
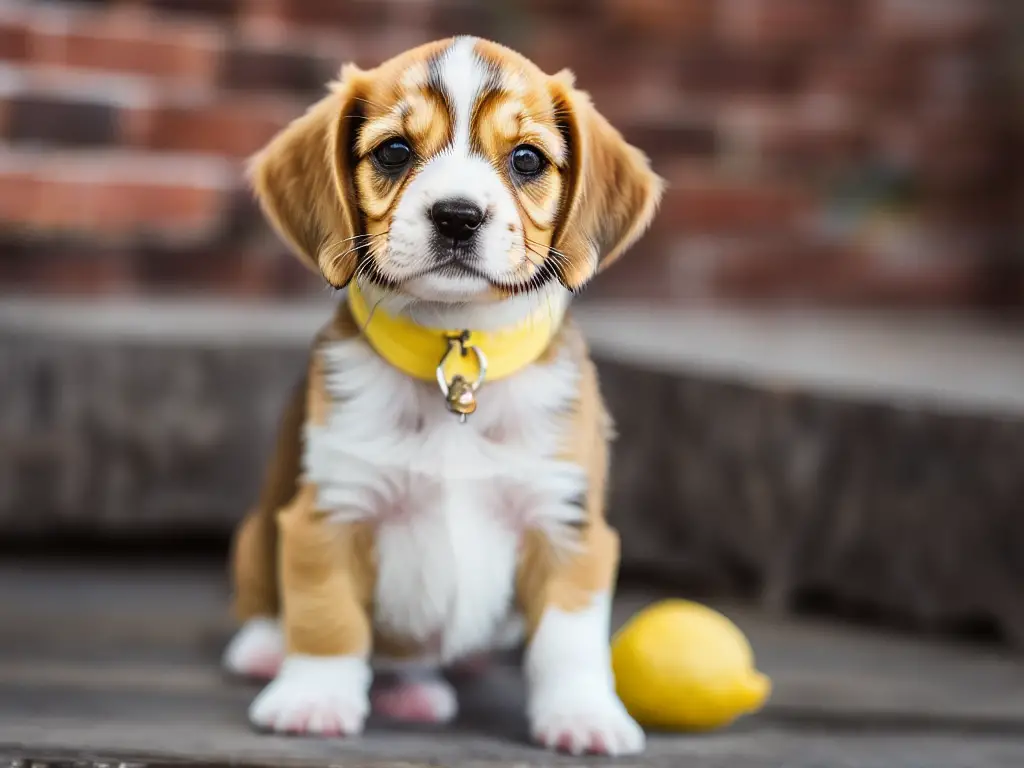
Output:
x=581 y=720
x=315 y=696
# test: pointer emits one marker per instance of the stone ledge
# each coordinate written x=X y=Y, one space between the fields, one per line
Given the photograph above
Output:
x=884 y=479
x=943 y=361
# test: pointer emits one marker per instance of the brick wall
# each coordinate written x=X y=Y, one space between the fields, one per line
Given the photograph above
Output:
x=831 y=151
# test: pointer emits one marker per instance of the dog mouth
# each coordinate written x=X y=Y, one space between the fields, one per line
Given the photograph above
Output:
x=455 y=264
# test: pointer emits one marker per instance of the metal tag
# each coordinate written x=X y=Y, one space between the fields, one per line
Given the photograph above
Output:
x=459 y=393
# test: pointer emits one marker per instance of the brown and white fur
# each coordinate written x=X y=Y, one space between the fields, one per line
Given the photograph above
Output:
x=387 y=532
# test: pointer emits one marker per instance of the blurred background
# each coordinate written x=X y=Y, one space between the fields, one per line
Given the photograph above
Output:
x=824 y=151
x=816 y=356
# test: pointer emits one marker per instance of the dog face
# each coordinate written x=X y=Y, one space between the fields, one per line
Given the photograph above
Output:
x=457 y=172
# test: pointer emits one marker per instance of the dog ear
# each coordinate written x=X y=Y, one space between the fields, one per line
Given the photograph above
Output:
x=612 y=192
x=304 y=184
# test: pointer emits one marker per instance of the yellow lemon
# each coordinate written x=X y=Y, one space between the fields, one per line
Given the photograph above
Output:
x=682 y=666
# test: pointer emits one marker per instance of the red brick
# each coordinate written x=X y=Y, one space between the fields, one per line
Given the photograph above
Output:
x=670 y=140
x=697 y=201
x=137 y=205
x=657 y=21
x=759 y=71
x=930 y=20
x=14 y=41
x=962 y=159
x=894 y=76
x=642 y=274
x=18 y=194
x=362 y=13
x=600 y=64
x=4 y=114
x=793 y=270
x=782 y=22
x=789 y=270
x=559 y=11
x=819 y=132
x=220 y=9
x=50 y=265
x=229 y=271
x=229 y=127
x=54 y=119
x=251 y=67
x=784 y=271
x=116 y=198
x=261 y=20
x=332 y=47
x=135 y=43
x=48 y=269
x=839 y=70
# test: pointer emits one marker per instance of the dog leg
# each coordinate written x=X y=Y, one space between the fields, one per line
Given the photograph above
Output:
x=257 y=650
x=323 y=685
x=572 y=704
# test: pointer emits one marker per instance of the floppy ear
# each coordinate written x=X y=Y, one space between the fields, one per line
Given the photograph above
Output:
x=303 y=181
x=612 y=192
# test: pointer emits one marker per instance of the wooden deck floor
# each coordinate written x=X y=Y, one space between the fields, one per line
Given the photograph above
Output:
x=104 y=661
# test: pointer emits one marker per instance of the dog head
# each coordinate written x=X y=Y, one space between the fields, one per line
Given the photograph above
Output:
x=457 y=173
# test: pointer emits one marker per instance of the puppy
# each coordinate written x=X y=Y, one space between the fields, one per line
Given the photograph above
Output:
x=438 y=485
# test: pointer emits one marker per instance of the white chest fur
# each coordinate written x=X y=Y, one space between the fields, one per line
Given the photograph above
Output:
x=450 y=500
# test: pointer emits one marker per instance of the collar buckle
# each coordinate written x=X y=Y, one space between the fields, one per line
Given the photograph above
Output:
x=460 y=393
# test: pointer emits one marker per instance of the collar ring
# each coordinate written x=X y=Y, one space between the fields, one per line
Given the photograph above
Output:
x=459 y=393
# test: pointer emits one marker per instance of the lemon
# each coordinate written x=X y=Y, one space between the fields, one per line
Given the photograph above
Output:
x=682 y=666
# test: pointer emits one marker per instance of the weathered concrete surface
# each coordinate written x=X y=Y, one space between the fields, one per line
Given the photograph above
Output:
x=118 y=659
x=883 y=510
x=873 y=465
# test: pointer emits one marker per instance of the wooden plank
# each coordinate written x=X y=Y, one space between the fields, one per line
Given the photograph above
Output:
x=159 y=627
x=87 y=670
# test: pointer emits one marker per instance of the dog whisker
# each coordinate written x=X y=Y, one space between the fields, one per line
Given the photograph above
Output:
x=355 y=243
x=350 y=243
x=556 y=257
x=550 y=248
x=371 y=103
x=363 y=235
x=338 y=257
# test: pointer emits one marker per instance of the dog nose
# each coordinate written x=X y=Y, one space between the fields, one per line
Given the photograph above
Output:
x=456 y=218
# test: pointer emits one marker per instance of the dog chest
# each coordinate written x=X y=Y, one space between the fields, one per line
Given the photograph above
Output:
x=450 y=500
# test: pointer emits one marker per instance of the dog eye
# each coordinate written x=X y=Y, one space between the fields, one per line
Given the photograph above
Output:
x=393 y=154
x=527 y=160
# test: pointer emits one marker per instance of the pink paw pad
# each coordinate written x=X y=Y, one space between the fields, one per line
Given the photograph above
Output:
x=297 y=722
x=313 y=721
x=592 y=744
x=421 y=701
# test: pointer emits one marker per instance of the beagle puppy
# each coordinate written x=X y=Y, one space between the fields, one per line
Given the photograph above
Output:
x=438 y=485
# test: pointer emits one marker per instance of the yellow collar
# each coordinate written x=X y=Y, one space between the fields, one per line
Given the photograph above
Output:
x=418 y=351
